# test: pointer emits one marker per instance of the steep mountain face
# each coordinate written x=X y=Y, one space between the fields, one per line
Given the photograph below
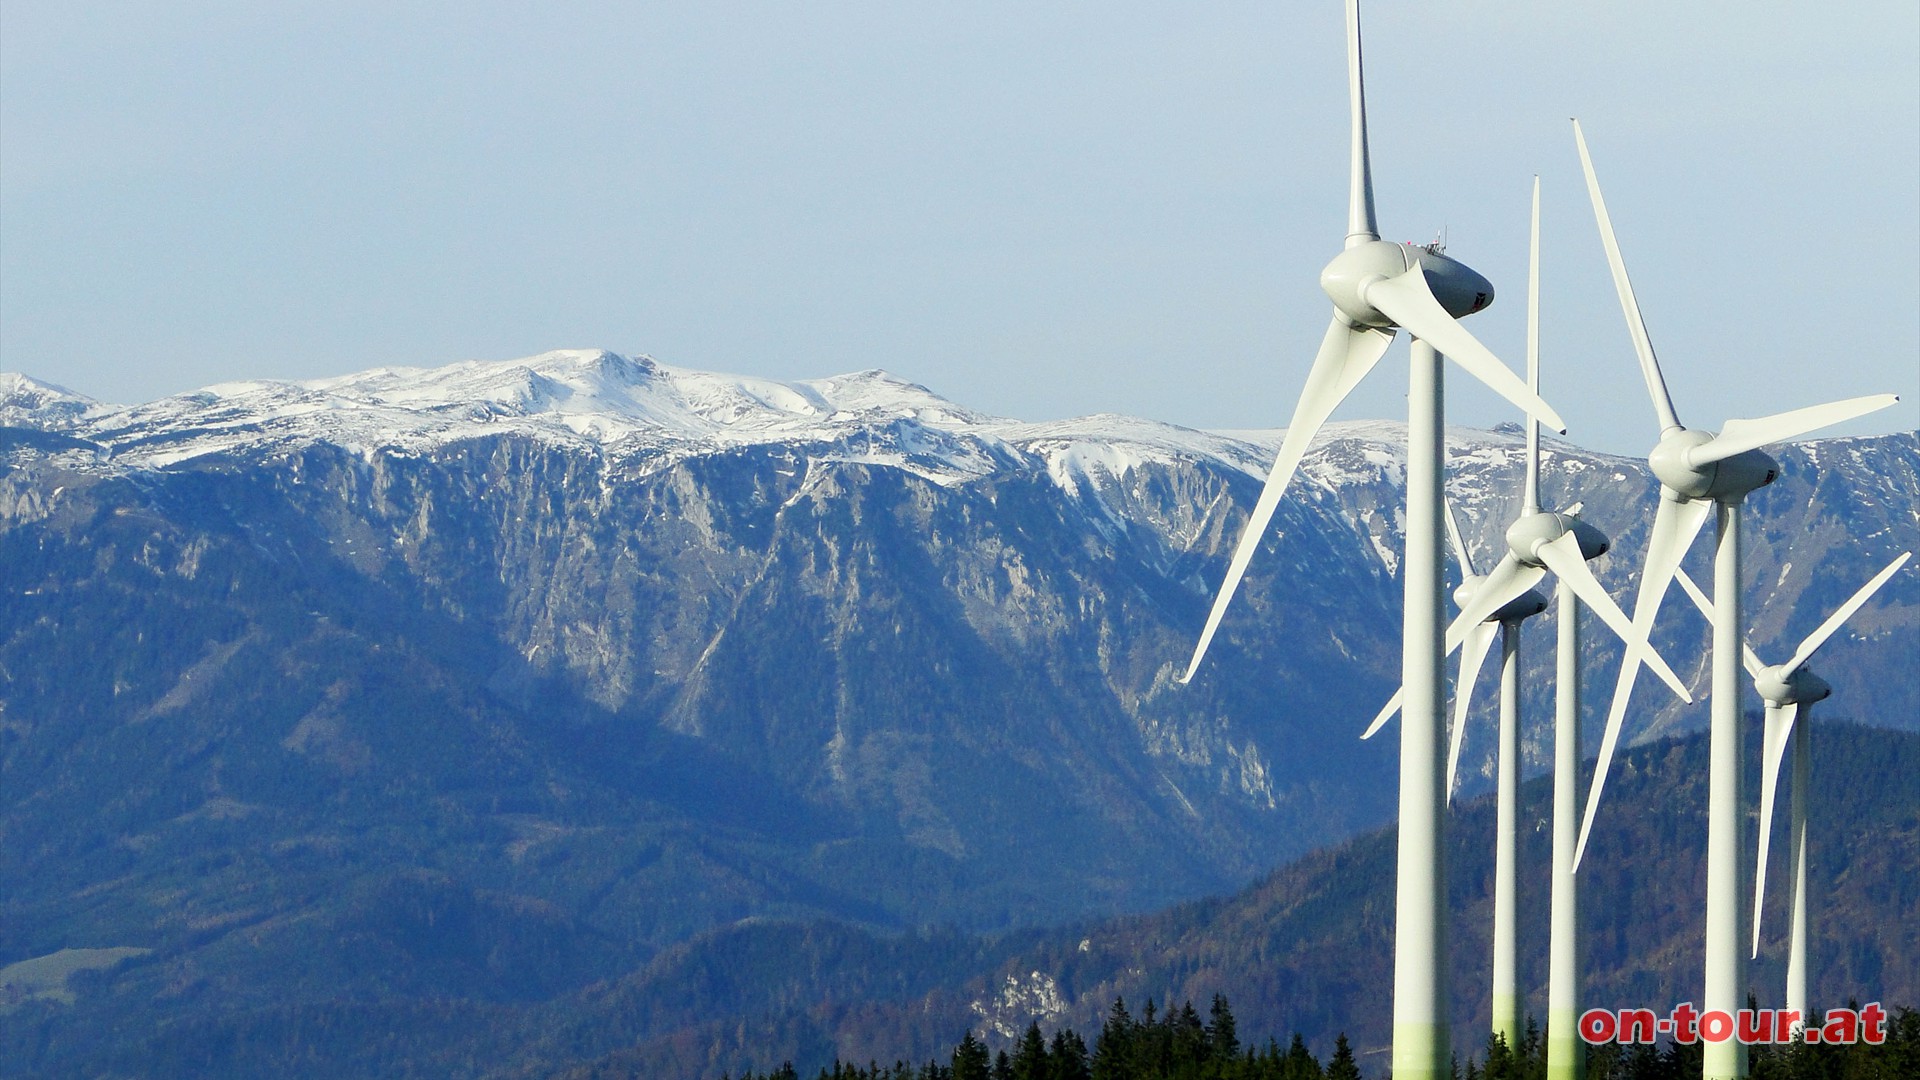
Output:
x=590 y=650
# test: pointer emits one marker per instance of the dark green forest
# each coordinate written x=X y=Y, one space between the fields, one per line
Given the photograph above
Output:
x=1176 y=1044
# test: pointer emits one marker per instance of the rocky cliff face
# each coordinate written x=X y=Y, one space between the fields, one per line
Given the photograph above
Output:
x=654 y=650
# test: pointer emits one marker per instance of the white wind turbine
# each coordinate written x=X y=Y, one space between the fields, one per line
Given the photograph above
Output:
x=1700 y=471
x=1377 y=286
x=1537 y=541
x=1789 y=690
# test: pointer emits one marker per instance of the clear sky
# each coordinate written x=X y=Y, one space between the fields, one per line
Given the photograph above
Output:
x=1037 y=209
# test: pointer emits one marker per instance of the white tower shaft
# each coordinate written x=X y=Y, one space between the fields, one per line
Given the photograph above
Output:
x=1797 y=856
x=1420 y=995
x=1507 y=1021
x=1726 y=968
x=1566 y=1054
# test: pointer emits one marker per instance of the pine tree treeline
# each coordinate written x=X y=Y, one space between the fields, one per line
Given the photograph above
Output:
x=1178 y=1045
x=1174 y=1045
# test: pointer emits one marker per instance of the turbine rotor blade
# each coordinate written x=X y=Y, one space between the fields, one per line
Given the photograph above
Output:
x=1675 y=525
x=1507 y=581
x=1779 y=731
x=1749 y=658
x=1739 y=436
x=1504 y=584
x=1636 y=326
x=1346 y=356
x=1361 y=226
x=1385 y=714
x=1408 y=300
x=1563 y=557
x=1472 y=659
x=1530 y=500
x=1845 y=611
x=1453 y=536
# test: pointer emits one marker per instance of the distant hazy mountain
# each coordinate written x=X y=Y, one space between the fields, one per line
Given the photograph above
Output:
x=502 y=677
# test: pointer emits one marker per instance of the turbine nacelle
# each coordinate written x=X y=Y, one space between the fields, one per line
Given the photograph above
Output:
x=1779 y=685
x=1529 y=534
x=1676 y=461
x=1459 y=288
x=1525 y=606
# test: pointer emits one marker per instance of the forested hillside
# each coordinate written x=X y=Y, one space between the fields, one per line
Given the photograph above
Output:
x=1308 y=950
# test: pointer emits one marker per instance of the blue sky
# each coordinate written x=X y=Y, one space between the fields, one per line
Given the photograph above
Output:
x=1036 y=209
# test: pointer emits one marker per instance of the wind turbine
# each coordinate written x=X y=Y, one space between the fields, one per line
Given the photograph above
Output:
x=1789 y=690
x=1377 y=286
x=1478 y=639
x=1699 y=472
x=1537 y=541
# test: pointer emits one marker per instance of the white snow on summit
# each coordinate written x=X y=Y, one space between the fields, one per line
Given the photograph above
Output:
x=632 y=409
x=30 y=403
x=645 y=415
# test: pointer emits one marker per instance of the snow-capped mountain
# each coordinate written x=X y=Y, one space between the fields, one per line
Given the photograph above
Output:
x=639 y=413
x=663 y=649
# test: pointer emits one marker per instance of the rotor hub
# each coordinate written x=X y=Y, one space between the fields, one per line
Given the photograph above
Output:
x=1459 y=288
x=1728 y=480
x=1525 y=606
x=1346 y=278
x=1800 y=686
x=1526 y=536
x=1463 y=592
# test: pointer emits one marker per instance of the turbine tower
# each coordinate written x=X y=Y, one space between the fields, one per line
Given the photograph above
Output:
x=1536 y=542
x=1789 y=690
x=1508 y=1018
x=1701 y=472
x=1377 y=286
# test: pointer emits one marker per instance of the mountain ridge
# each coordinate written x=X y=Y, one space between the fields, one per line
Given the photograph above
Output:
x=629 y=407
x=429 y=677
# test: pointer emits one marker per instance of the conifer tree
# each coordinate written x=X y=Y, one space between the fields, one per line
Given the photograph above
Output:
x=1186 y=1043
x=970 y=1061
x=1222 y=1033
x=1113 y=1050
x=1342 y=1066
x=1300 y=1063
x=1640 y=1060
x=1068 y=1056
x=1903 y=1044
x=1682 y=1059
x=1500 y=1064
x=1030 y=1060
x=1532 y=1059
x=1604 y=1061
